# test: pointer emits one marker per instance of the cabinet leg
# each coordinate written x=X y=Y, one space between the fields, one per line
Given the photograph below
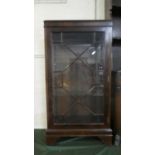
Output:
x=106 y=139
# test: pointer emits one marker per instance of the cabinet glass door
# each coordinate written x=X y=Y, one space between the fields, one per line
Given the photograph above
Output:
x=78 y=77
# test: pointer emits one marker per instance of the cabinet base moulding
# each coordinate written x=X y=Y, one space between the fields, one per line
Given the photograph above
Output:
x=52 y=136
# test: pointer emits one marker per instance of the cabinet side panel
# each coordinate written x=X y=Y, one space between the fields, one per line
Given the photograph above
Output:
x=48 y=71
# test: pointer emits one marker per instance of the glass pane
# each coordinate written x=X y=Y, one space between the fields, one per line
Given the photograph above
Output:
x=78 y=71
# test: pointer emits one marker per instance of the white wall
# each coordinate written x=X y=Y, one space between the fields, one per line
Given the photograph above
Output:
x=72 y=9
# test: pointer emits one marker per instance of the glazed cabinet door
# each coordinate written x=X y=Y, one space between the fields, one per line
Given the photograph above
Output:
x=78 y=77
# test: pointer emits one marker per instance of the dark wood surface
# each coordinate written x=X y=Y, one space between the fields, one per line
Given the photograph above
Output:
x=116 y=3
x=55 y=131
x=114 y=12
x=116 y=51
x=116 y=28
x=116 y=87
x=105 y=135
x=77 y=23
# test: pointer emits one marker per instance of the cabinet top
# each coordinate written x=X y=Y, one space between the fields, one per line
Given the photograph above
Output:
x=77 y=23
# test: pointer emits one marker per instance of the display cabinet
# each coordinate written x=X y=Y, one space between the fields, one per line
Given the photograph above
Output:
x=78 y=79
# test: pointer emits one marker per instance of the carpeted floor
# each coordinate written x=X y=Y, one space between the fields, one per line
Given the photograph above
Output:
x=72 y=146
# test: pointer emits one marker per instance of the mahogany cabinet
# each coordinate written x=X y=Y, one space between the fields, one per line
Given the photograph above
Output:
x=78 y=79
